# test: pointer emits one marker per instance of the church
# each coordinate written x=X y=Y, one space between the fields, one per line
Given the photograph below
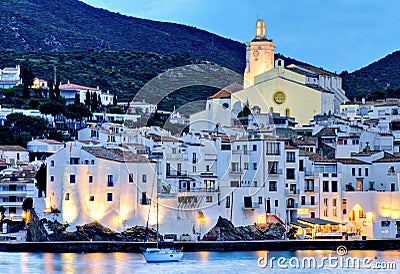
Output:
x=293 y=91
x=271 y=86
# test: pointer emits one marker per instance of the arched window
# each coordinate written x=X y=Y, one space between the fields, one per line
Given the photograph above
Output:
x=287 y=112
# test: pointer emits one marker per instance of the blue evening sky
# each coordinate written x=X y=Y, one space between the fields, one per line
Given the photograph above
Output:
x=334 y=34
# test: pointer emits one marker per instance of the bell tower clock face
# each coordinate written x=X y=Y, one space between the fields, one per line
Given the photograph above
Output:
x=256 y=53
x=279 y=97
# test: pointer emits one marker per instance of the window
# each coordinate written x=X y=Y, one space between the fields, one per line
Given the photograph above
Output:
x=51 y=178
x=179 y=169
x=353 y=171
x=301 y=165
x=92 y=162
x=130 y=177
x=72 y=178
x=109 y=197
x=207 y=168
x=255 y=183
x=312 y=200
x=290 y=173
x=334 y=186
x=344 y=206
x=254 y=166
x=290 y=157
x=334 y=209
x=52 y=163
x=359 y=171
x=235 y=167
x=144 y=178
x=66 y=196
x=309 y=185
x=246 y=166
x=303 y=200
x=272 y=186
x=194 y=158
x=245 y=150
x=366 y=171
x=260 y=200
x=254 y=147
x=325 y=186
x=228 y=202
x=273 y=167
x=91 y=198
x=312 y=214
x=194 y=169
x=287 y=112
x=234 y=183
x=144 y=200
x=225 y=147
x=325 y=207
x=12 y=210
x=273 y=148
x=168 y=169
x=90 y=179
x=174 y=151
x=208 y=199
x=276 y=203
x=110 y=182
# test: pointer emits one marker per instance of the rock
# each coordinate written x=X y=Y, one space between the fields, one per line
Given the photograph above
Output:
x=224 y=230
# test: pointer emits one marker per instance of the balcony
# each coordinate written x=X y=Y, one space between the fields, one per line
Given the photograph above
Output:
x=175 y=173
x=292 y=205
x=236 y=171
x=292 y=192
x=253 y=205
x=237 y=151
x=276 y=172
x=145 y=201
x=309 y=190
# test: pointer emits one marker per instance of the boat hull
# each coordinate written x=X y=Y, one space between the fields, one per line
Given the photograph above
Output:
x=160 y=255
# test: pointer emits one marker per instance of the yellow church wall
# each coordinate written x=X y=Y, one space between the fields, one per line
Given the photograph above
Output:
x=301 y=101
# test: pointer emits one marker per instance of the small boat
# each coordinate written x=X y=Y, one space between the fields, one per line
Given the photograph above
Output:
x=165 y=250
x=162 y=254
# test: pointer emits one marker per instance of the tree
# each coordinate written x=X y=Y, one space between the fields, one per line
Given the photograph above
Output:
x=77 y=111
x=27 y=77
x=77 y=100
x=87 y=100
x=54 y=108
x=41 y=179
x=57 y=87
x=27 y=204
x=245 y=112
x=115 y=102
x=34 y=103
x=93 y=105
x=51 y=91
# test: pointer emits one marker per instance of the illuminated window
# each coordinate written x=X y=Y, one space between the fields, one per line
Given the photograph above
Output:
x=325 y=207
x=208 y=199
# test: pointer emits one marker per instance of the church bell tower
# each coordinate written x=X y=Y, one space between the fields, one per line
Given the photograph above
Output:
x=259 y=55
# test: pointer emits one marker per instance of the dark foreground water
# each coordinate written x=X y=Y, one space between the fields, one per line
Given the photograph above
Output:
x=305 y=261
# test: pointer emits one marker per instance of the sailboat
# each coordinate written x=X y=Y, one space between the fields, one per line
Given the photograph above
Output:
x=164 y=252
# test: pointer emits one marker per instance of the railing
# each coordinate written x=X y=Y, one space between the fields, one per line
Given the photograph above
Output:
x=236 y=171
x=292 y=205
x=276 y=172
x=292 y=192
x=145 y=201
x=253 y=206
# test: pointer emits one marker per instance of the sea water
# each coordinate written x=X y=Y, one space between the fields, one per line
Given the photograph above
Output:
x=203 y=262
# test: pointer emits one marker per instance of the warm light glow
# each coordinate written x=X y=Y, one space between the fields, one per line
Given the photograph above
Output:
x=369 y=215
x=202 y=219
x=385 y=212
x=11 y=215
x=70 y=213
x=395 y=214
x=302 y=211
x=261 y=219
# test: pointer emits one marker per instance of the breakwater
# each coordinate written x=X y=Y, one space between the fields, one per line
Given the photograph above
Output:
x=114 y=246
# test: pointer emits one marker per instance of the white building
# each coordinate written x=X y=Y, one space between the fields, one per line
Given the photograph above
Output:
x=14 y=155
x=111 y=185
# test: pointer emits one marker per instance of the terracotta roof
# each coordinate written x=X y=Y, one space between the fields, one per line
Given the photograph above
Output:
x=88 y=142
x=73 y=86
x=49 y=141
x=315 y=157
x=351 y=161
x=387 y=160
x=116 y=154
x=226 y=92
x=326 y=132
x=365 y=153
x=13 y=148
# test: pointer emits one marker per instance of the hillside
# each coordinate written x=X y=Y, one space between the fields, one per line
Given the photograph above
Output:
x=69 y=25
x=377 y=77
